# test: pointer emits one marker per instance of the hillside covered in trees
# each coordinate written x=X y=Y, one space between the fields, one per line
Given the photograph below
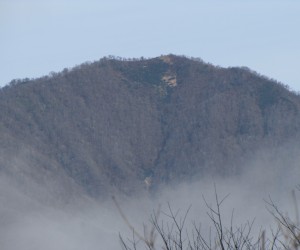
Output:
x=106 y=126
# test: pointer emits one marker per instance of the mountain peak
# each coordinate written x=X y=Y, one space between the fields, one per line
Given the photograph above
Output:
x=111 y=124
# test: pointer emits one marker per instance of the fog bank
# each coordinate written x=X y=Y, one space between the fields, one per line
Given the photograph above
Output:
x=28 y=222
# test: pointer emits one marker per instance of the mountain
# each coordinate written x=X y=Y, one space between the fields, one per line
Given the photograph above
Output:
x=106 y=126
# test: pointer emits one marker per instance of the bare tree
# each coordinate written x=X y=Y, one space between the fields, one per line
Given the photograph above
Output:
x=171 y=232
x=289 y=229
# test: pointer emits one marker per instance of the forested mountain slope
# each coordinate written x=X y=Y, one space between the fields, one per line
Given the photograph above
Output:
x=105 y=126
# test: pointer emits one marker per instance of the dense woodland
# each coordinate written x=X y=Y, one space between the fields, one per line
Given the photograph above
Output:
x=105 y=126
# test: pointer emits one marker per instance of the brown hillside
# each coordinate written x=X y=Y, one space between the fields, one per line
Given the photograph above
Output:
x=108 y=125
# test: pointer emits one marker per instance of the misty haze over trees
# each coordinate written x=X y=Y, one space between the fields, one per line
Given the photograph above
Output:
x=130 y=126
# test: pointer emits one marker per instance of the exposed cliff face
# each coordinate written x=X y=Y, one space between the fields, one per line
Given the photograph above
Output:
x=108 y=125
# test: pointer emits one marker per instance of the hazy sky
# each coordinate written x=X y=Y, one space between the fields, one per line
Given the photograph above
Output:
x=40 y=36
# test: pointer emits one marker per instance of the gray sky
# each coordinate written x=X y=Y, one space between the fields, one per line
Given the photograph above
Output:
x=39 y=36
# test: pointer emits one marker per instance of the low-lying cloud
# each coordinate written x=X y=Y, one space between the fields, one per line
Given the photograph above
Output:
x=27 y=222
